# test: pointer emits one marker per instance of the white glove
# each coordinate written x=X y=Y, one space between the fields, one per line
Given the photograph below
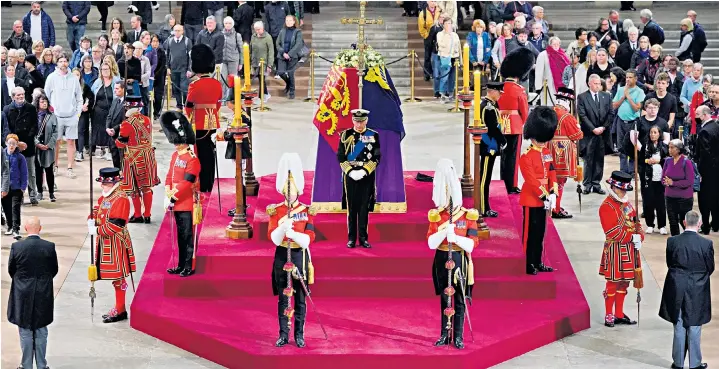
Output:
x=547 y=205
x=451 y=236
x=356 y=175
x=287 y=224
x=213 y=137
x=552 y=201
x=167 y=203
x=91 y=227
x=132 y=8
x=291 y=234
x=637 y=240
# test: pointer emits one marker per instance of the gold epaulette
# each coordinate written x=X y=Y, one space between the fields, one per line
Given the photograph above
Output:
x=472 y=214
x=434 y=216
x=271 y=209
x=312 y=210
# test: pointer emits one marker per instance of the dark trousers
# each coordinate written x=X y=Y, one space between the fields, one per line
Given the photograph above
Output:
x=593 y=162
x=205 y=150
x=459 y=307
x=300 y=310
x=102 y=8
x=116 y=155
x=83 y=133
x=508 y=161
x=677 y=208
x=533 y=226
x=11 y=205
x=709 y=203
x=185 y=242
x=358 y=198
x=486 y=163
x=653 y=202
x=427 y=58
x=159 y=89
x=48 y=174
x=179 y=88
x=145 y=94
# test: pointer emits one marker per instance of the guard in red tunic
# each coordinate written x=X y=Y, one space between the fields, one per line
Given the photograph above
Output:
x=182 y=196
x=291 y=225
x=621 y=262
x=202 y=109
x=459 y=231
x=514 y=109
x=539 y=191
x=564 y=147
x=139 y=167
x=115 y=259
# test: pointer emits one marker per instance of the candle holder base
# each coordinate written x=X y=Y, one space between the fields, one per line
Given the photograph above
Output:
x=261 y=109
x=411 y=99
x=467 y=186
x=252 y=186
x=239 y=228
x=454 y=109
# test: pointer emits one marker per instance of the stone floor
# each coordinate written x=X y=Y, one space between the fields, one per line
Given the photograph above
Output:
x=77 y=342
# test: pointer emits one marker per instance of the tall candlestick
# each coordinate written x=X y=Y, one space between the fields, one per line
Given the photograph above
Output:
x=246 y=65
x=465 y=65
x=238 y=103
x=477 y=97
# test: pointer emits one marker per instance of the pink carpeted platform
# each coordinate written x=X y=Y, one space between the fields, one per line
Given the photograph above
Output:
x=378 y=304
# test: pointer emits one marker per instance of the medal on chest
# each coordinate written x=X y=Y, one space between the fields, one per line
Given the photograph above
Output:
x=367 y=139
x=460 y=224
x=106 y=205
x=179 y=163
x=299 y=217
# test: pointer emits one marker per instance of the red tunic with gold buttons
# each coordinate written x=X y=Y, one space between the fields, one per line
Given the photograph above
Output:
x=203 y=103
x=303 y=217
x=115 y=258
x=513 y=105
x=564 y=144
x=619 y=258
x=139 y=167
x=181 y=183
x=465 y=225
x=540 y=179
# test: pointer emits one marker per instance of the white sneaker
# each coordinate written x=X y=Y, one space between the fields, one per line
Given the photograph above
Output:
x=98 y=153
x=16 y=235
x=663 y=230
x=267 y=97
x=108 y=156
x=70 y=173
x=78 y=156
x=8 y=232
x=649 y=230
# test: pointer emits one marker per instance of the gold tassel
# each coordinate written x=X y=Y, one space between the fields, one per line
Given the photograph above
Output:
x=470 y=271
x=638 y=278
x=310 y=273
x=92 y=273
x=197 y=214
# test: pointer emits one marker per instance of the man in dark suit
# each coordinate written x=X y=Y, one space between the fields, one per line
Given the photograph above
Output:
x=115 y=116
x=708 y=166
x=627 y=48
x=32 y=266
x=133 y=34
x=686 y=297
x=595 y=117
x=617 y=26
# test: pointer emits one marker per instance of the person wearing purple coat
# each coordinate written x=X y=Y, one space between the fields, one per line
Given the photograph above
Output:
x=678 y=181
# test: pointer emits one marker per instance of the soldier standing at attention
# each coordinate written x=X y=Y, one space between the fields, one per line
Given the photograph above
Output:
x=492 y=143
x=564 y=147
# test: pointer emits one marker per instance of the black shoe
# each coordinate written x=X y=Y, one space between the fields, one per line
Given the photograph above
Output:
x=146 y=220
x=704 y=230
x=676 y=367
x=491 y=214
x=437 y=95
x=625 y=320
x=282 y=341
x=515 y=191
x=134 y=219
x=442 y=341
x=300 y=341
x=231 y=213
x=531 y=270
x=186 y=272
x=459 y=343
x=544 y=269
x=34 y=202
x=365 y=244
x=561 y=215
x=113 y=319
x=351 y=244
x=175 y=270
x=586 y=191
x=642 y=215
x=599 y=191
x=703 y=366
x=52 y=198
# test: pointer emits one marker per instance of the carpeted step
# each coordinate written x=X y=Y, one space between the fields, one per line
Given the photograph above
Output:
x=540 y=287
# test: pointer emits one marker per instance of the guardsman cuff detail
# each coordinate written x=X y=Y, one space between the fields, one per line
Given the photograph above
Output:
x=346 y=167
x=370 y=166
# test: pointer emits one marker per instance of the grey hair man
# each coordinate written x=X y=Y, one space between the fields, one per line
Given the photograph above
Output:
x=686 y=297
x=652 y=30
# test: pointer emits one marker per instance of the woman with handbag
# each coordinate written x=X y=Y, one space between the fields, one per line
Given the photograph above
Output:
x=448 y=51
x=45 y=143
x=655 y=152
x=678 y=181
x=289 y=51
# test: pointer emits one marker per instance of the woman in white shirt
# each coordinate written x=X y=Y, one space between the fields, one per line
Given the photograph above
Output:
x=448 y=47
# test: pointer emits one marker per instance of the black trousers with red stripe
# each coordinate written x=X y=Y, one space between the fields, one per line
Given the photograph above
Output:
x=533 y=226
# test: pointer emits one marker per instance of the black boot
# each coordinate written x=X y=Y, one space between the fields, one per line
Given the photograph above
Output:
x=283 y=340
x=443 y=340
x=625 y=320
x=300 y=340
x=531 y=270
x=459 y=342
x=299 y=332
x=114 y=318
x=186 y=272
x=134 y=219
x=351 y=244
x=365 y=244
x=175 y=270
x=545 y=269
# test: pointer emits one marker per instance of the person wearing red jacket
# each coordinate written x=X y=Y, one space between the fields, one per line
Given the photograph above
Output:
x=139 y=166
x=182 y=197
x=513 y=108
x=291 y=226
x=564 y=147
x=114 y=256
x=203 y=110
x=539 y=191
x=451 y=224
x=621 y=261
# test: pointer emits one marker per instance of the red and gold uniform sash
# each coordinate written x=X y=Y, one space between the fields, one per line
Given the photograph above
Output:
x=513 y=108
x=203 y=103
x=139 y=167
x=181 y=182
x=619 y=258
x=115 y=257
x=564 y=144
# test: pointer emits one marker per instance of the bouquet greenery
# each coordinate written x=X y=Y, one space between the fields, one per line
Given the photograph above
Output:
x=349 y=58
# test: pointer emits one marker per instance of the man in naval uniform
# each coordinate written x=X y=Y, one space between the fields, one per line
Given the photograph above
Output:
x=492 y=143
x=359 y=155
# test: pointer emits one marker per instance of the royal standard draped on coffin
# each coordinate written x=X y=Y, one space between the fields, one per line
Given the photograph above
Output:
x=339 y=95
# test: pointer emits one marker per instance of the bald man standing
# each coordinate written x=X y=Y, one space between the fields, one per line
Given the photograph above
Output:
x=32 y=266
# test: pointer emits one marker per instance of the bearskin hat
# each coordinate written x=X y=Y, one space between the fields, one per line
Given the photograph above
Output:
x=541 y=124
x=203 y=59
x=177 y=128
x=517 y=64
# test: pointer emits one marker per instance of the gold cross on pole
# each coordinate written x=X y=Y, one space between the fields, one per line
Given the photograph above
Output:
x=361 y=45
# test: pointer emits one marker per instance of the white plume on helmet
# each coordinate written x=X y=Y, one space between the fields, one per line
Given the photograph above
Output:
x=445 y=184
x=290 y=162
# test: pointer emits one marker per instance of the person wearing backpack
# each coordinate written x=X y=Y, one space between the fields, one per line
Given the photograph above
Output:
x=231 y=54
x=700 y=38
x=651 y=29
x=678 y=178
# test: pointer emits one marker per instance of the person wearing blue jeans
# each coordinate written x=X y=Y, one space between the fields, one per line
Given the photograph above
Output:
x=40 y=347
x=628 y=102
x=76 y=14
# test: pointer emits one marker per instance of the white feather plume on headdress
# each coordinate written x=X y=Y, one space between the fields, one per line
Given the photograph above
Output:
x=445 y=184
x=290 y=162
